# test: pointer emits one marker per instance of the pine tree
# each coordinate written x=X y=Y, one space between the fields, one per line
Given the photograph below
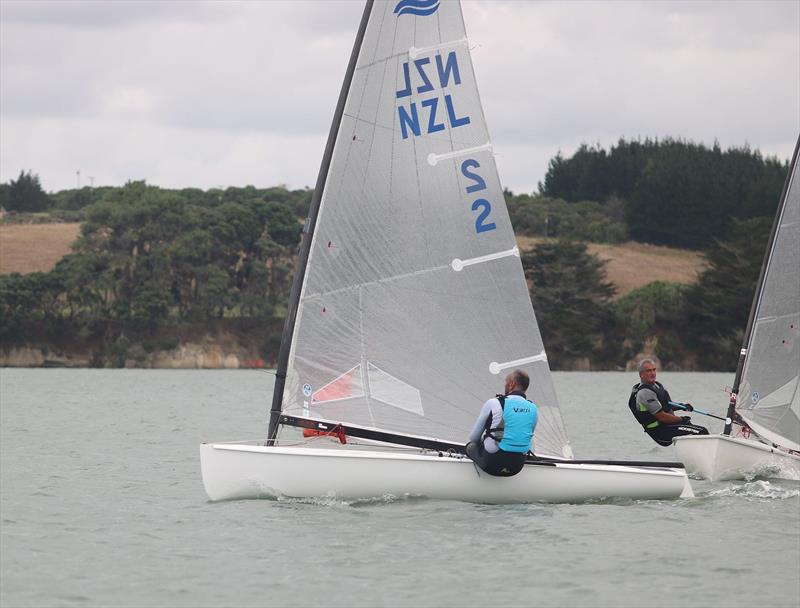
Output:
x=571 y=300
x=717 y=306
x=26 y=194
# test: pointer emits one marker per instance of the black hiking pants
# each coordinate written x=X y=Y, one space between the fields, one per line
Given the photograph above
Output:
x=499 y=464
x=664 y=433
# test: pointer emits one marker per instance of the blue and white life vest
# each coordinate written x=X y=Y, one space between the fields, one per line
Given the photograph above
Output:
x=515 y=431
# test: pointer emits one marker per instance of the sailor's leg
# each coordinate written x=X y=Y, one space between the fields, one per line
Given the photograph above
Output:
x=689 y=429
x=475 y=451
x=661 y=435
x=664 y=433
x=504 y=464
x=498 y=464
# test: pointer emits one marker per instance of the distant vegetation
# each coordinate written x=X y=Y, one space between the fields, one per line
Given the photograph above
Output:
x=152 y=264
x=670 y=192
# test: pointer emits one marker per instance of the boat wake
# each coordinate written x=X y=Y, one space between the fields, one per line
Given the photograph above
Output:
x=760 y=488
x=779 y=470
x=790 y=471
x=333 y=501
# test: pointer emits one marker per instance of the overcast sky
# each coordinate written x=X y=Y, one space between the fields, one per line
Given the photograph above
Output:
x=217 y=94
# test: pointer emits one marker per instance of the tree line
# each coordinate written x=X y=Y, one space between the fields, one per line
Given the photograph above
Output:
x=154 y=264
x=669 y=192
x=150 y=260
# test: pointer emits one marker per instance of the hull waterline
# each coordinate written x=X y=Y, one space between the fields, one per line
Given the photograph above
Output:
x=240 y=471
x=720 y=458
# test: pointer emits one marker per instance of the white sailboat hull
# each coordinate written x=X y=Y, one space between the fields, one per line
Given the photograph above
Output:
x=720 y=457
x=238 y=471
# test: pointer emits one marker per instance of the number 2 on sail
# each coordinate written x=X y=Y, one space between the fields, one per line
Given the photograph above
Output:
x=481 y=205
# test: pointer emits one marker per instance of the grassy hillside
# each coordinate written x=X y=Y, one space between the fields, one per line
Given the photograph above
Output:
x=34 y=247
x=30 y=247
x=631 y=265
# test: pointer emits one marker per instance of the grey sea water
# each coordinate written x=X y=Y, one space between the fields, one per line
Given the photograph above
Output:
x=101 y=504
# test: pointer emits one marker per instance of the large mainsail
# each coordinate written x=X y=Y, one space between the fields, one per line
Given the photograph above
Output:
x=414 y=305
x=769 y=391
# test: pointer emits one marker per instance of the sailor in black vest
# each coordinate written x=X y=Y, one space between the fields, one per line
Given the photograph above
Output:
x=650 y=404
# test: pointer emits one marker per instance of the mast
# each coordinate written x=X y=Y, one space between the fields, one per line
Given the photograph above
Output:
x=308 y=233
x=757 y=296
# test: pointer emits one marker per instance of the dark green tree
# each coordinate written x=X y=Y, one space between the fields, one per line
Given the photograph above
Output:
x=718 y=305
x=29 y=305
x=85 y=295
x=572 y=301
x=282 y=225
x=585 y=221
x=18 y=306
x=77 y=199
x=167 y=256
x=5 y=191
x=26 y=194
x=673 y=192
x=653 y=315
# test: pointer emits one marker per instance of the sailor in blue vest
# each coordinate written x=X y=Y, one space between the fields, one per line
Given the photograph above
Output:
x=650 y=405
x=503 y=433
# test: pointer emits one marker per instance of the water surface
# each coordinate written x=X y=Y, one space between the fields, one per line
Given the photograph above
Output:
x=102 y=504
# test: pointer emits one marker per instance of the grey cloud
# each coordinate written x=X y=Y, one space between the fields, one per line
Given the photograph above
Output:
x=324 y=17
x=251 y=80
x=214 y=77
x=117 y=13
x=599 y=70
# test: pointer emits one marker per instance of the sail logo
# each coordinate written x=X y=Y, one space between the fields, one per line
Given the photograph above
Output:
x=420 y=8
x=434 y=112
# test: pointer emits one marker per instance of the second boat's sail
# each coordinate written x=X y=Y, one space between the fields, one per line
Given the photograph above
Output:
x=414 y=304
x=769 y=392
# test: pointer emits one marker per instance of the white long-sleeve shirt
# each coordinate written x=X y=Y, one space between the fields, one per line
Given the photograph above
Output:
x=490 y=408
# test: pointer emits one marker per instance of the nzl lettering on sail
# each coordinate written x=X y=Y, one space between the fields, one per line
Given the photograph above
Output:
x=426 y=77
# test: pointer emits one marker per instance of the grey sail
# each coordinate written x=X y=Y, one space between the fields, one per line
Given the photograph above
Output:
x=769 y=392
x=414 y=305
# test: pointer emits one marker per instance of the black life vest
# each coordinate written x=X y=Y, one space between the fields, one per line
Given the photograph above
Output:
x=644 y=417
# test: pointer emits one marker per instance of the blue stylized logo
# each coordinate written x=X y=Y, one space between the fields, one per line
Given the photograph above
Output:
x=421 y=8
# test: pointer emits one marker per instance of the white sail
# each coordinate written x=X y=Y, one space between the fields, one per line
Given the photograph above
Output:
x=767 y=387
x=414 y=305
x=769 y=392
x=411 y=304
